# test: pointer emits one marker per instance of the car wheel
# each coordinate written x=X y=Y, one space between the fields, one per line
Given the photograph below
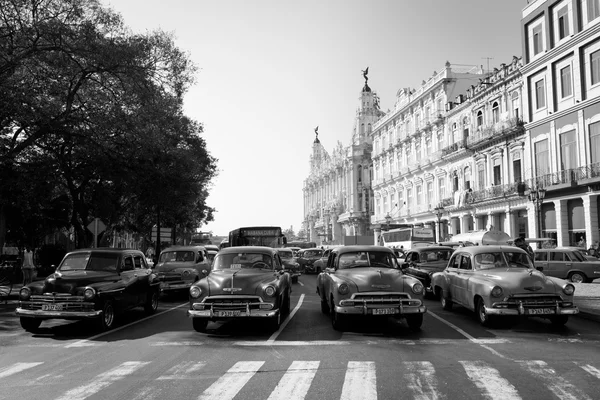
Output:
x=324 y=307
x=337 y=320
x=274 y=322
x=107 y=319
x=577 y=277
x=318 y=270
x=151 y=304
x=414 y=321
x=484 y=318
x=199 y=324
x=30 y=324
x=559 y=320
x=295 y=279
x=428 y=295
x=446 y=303
x=285 y=306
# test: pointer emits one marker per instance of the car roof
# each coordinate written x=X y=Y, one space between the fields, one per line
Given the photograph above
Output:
x=355 y=248
x=175 y=248
x=570 y=248
x=430 y=248
x=105 y=250
x=248 y=249
x=488 y=248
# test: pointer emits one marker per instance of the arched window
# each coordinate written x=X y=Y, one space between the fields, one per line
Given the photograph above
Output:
x=495 y=112
x=465 y=128
x=454 y=133
x=479 y=119
x=467 y=178
x=359 y=173
x=515 y=104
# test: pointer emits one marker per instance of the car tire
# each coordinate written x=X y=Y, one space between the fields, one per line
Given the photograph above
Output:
x=30 y=324
x=415 y=321
x=275 y=322
x=337 y=321
x=285 y=305
x=151 y=304
x=482 y=316
x=295 y=279
x=446 y=303
x=107 y=319
x=428 y=295
x=324 y=307
x=199 y=324
x=559 y=320
x=577 y=277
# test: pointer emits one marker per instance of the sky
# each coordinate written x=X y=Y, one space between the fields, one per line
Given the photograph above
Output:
x=270 y=71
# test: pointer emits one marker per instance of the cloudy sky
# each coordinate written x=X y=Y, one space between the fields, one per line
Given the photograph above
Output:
x=270 y=71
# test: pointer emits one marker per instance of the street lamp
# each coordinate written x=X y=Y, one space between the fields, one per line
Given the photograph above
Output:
x=388 y=219
x=537 y=197
x=439 y=211
x=353 y=220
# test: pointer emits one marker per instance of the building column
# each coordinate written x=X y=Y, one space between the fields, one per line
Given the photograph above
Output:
x=532 y=220
x=509 y=223
x=562 y=223
x=590 y=210
x=376 y=236
x=464 y=223
x=337 y=233
x=477 y=222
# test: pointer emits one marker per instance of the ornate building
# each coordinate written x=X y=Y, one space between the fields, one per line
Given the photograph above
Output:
x=337 y=193
x=561 y=74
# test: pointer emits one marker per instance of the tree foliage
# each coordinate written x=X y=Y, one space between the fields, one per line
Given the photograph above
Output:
x=91 y=123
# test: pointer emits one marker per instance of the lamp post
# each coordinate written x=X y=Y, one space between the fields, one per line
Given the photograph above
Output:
x=353 y=220
x=439 y=211
x=537 y=197
x=388 y=219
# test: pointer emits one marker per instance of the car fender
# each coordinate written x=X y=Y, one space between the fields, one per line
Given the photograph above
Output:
x=440 y=280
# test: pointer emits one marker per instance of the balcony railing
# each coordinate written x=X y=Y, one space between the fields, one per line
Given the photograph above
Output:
x=494 y=192
x=497 y=130
x=454 y=147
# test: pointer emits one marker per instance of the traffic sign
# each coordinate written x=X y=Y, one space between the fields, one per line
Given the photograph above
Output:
x=96 y=226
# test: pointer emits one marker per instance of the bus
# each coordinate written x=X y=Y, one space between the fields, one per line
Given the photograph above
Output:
x=407 y=237
x=200 y=238
x=301 y=244
x=269 y=236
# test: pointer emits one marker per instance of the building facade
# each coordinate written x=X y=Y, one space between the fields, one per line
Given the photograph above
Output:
x=561 y=75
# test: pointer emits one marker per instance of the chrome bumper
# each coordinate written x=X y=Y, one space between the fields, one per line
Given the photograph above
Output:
x=21 y=312
x=213 y=315
x=520 y=310
x=401 y=310
x=165 y=287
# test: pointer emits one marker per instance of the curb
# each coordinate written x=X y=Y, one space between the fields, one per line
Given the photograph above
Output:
x=591 y=316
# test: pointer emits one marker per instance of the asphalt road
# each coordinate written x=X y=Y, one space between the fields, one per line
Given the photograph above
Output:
x=162 y=357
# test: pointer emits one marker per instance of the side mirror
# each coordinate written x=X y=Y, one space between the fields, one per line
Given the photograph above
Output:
x=205 y=272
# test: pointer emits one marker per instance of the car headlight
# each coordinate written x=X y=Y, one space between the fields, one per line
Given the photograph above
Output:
x=417 y=288
x=569 y=289
x=496 y=291
x=89 y=293
x=25 y=293
x=270 y=291
x=195 y=292
x=343 y=289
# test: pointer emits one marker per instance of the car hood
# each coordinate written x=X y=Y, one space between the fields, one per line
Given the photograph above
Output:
x=246 y=281
x=172 y=266
x=68 y=281
x=371 y=279
x=430 y=266
x=520 y=280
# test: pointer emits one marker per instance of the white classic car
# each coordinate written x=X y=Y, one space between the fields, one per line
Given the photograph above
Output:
x=499 y=281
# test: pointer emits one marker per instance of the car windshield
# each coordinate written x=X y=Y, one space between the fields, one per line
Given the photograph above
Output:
x=435 y=255
x=90 y=262
x=579 y=255
x=177 y=256
x=502 y=260
x=377 y=259
x=285 y=253
x=243 y=260
x=312 y=253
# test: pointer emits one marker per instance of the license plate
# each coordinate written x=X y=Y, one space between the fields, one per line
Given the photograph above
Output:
x=228 y=313
x=384 y=311
x=52 y=307
x=539 y=311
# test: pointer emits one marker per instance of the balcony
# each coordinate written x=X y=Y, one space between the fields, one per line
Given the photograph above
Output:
x=453 y=148
x=490 y=134
x=495 y=192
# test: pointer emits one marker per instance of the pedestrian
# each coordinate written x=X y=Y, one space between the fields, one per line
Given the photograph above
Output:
x=27 y=266
x=520 y=243
x=593 y=251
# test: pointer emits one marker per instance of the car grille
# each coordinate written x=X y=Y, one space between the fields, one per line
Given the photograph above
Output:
x=170 y=277
x=532 y=300
x=378 y=299
x=233 y=303
x=68 y=302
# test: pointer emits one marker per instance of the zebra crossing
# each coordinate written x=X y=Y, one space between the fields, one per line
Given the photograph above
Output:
x=420 y=380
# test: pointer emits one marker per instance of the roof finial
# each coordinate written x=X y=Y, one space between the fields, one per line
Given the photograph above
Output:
x=317 y=134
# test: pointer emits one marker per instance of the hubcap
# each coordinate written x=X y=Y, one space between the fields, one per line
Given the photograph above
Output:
x=577 y=278
x=154 y=301
x=108 y=315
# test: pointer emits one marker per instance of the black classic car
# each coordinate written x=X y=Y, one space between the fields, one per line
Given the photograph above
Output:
x=290 y=263
x=246 y=282
x=423 y=262
x=96 y=284
x=180 y=266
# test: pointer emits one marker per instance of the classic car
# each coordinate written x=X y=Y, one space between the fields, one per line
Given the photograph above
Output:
x=180 y=266
x=423 y=262
x=566 y=263
x=500 y=281
x=96 y=284
x=366 y=281
x=307 y=259
x=290 y=264
x=247 y=282
x=319 y=265
x=211 y=252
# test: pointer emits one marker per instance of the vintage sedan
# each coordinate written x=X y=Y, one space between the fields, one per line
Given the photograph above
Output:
x=290 y=264
x=501 y=281
x=90 y=284
x=247 y=282
x=180 y=266
x=366 y=281
x=567 y=263
x=423 y=262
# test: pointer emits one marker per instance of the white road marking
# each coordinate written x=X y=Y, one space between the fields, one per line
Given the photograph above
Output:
x=293 y=343
x=561 y=388
x=103 y=380
x=421 y=380
x=295 y=383
x=590 y=370
x=86 y=342
x=360 y=382
x=16 y=368
x=160 y=344
x=228 y=385
x=489 y=381
x=289 y=317
x=300 y=283
x=182 y=371
x=147 y=393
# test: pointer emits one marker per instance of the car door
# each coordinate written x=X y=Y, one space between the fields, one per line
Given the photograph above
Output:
x=143 y=274
x=452 y=272
x=462 y=280
x=557 y=264
x=541 y=260
x=129 y=278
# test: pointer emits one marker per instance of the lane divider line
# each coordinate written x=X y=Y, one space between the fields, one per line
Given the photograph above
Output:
x=289 y=317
